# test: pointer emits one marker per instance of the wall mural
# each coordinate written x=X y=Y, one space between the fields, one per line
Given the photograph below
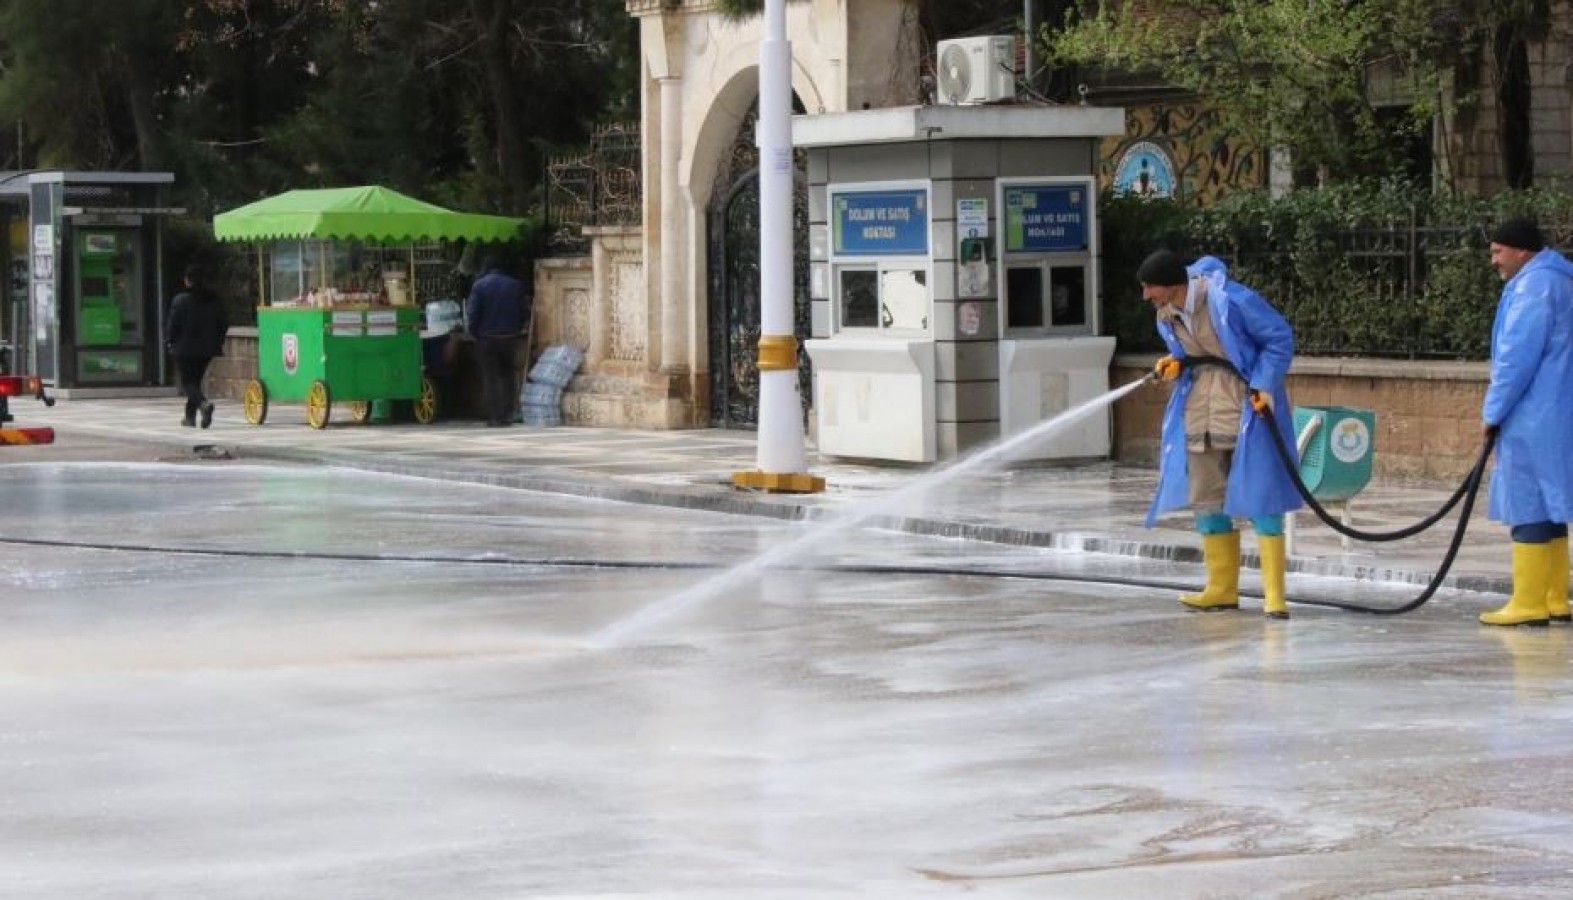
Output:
x=1179 y=151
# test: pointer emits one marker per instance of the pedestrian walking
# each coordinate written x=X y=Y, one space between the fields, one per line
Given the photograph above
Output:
x=498 y=316
x=195 y=334
x=1529 y=405
x=1217 y=455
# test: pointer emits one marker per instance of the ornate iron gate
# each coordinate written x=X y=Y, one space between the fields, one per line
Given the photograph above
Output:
x=734 y=290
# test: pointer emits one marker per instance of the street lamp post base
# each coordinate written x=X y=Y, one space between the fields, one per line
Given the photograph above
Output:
x=779 y=482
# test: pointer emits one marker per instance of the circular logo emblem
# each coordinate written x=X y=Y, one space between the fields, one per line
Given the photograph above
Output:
x=291 y=346
x=1144 y=170
x=1351 y=440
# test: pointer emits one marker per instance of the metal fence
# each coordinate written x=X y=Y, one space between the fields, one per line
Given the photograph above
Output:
x=602 y=186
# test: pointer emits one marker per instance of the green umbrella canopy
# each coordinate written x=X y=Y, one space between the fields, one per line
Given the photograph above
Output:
x=370 y=214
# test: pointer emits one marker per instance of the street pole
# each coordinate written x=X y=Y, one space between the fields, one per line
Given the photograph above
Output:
x=781 y=462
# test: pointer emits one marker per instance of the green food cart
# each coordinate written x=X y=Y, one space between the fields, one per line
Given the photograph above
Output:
x=339 y=319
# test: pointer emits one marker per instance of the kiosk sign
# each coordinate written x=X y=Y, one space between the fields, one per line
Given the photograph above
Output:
x=1045 y=218
x=880 y=223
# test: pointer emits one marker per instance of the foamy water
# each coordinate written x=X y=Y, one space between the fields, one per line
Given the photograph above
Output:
x=793 y=550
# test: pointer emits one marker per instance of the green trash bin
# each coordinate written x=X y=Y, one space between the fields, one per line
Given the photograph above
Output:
x=1336 y=447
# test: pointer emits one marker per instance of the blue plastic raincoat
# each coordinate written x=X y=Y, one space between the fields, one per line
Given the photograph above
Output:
x=1259 y=342
x=1530 y=398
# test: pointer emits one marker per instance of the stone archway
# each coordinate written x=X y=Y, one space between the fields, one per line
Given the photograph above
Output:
x=643 y=295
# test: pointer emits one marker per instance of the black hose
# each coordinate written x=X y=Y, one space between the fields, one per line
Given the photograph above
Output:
x=1469 y=485
x=684 y=565
x=1472 y=478
x=1467 y=491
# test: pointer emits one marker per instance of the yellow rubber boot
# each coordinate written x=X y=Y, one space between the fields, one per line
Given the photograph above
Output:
x=1221 y=555
x=1557 y=588
x=1274 y=563
x=1531 y=577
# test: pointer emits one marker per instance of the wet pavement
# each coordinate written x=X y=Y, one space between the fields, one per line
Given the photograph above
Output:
x=257 y=679
x=1097 y=506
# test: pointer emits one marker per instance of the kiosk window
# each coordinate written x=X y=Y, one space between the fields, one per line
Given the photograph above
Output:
x=1067 y=296
x=1024 y=298
x=904 y=300
x=888 y=299
x=859 y=298
x=1043 y=297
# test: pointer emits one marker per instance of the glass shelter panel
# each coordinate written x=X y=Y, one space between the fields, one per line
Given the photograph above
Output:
x=327 y=273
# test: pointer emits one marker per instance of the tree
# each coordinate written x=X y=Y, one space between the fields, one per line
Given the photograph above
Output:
x=1283 y=73
x=1299 y=73
x=87 y=79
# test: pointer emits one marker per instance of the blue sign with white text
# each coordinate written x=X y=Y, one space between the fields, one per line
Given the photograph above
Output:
x=1045 y=218
x=880 y=223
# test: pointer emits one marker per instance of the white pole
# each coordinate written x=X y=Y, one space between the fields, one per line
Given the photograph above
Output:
x=782 y=462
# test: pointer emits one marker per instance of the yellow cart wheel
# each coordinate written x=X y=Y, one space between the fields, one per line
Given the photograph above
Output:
x=425 y=406
x=360 y=411
x=318 y=404
x=254 y=402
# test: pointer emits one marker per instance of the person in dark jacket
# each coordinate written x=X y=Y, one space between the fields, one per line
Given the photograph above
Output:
x=194 y=336
x=497 y=314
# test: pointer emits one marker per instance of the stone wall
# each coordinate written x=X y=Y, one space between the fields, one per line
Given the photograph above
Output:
x=228 y=374
x=1427 y=413
x=599 y=304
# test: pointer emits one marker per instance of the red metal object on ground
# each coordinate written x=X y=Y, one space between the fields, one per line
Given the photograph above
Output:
x=20 y=386
x=27 y=435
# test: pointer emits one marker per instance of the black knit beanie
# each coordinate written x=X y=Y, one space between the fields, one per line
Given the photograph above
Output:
x=1520 y=233
x=1162 y=268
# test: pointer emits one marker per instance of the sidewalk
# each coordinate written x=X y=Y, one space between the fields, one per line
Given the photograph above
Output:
x=1095 y=507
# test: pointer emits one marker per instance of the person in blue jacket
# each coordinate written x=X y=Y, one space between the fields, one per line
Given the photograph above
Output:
x=497 y=314
x=1529 y=405
x=1217 y=455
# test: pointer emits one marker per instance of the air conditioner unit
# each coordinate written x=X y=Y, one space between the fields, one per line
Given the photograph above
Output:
x=976 y=69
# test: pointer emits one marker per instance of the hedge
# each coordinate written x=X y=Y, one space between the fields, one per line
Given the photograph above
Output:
x=1368 y=269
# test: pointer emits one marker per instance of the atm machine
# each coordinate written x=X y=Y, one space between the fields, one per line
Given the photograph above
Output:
x=110 y=308
x=91 y=252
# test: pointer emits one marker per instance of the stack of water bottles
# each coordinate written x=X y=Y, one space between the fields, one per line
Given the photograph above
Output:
x=541 y=401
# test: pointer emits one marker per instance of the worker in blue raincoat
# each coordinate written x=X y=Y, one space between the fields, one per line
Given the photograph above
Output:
x=1217 y=455
x=1529 y=404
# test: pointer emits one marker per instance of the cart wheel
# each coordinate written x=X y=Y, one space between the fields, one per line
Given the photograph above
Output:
x=360 y=411
x=424 y=407
x=318 y=404
x=254 y=402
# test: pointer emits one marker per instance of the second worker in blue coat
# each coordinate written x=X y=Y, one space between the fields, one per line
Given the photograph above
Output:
x=1216 y=454
x=1529 y=404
